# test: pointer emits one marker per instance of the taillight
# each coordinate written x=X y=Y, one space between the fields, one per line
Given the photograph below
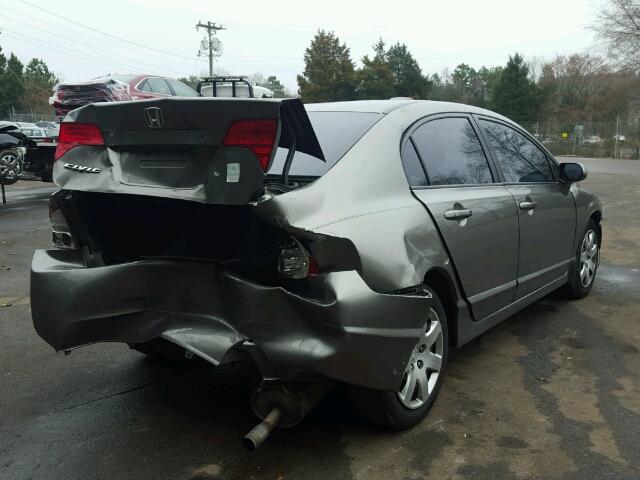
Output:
x=295 y=262
x=74 y=134
x=259 y=136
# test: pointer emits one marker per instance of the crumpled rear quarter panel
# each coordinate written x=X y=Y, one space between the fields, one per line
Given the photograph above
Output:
x=349 y=333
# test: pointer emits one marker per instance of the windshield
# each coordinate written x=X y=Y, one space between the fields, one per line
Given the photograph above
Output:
x=337 y=132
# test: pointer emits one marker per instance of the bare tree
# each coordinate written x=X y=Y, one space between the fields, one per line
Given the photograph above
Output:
x=618 y=25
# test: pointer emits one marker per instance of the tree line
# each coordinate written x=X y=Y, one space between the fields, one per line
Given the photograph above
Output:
x=573 y=95
x=567 y=89
x=24 y=87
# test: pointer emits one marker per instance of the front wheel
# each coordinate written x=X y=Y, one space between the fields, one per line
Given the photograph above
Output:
x=583 y=273
x=421 y=382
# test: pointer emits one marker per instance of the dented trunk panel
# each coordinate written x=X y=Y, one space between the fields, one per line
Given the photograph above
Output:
x=180 y=154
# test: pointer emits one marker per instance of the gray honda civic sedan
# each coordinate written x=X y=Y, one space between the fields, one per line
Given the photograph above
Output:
x=351 y=243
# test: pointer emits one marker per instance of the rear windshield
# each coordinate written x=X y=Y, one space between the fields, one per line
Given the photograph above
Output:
x=337 y=132
x=119 y=78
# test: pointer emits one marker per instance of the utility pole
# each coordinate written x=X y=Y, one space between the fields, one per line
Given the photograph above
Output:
x=212 y=47
x=615 y=148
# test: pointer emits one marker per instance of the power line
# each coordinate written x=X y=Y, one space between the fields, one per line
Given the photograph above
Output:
x=58 y=36
x=105 y=33
x=104 y=42
x=62 y=50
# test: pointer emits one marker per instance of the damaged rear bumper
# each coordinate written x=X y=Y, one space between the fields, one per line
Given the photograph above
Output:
x=348 y=333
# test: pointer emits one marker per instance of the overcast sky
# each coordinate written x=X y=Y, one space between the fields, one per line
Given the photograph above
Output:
x=270 y=37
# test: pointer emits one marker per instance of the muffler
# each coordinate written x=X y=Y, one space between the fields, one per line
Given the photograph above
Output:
x=283 y=406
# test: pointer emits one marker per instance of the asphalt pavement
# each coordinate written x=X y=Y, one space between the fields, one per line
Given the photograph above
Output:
x=551 y=393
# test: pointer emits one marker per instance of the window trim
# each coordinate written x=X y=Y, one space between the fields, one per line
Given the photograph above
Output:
x=420 y=161
x=551 y=161
x=407 y=136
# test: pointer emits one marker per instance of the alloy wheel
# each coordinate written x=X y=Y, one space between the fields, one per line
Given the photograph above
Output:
x=588 y=258
x=425 y=364
x=10 y=166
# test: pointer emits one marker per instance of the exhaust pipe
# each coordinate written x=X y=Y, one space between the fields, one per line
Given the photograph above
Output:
x=281 y=406
x=260 y=432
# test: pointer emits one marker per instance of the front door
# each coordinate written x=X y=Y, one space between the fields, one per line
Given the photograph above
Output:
x=476 y=216
x=545 y=206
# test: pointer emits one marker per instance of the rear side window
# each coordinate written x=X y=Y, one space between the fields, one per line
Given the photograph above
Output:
x=337 y=132
x=158 y=85
x=452 y=153
x=182 y=90
x=413 y=166
x=520 y=160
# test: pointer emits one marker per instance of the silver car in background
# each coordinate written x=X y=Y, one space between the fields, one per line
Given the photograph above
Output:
x=349 y=242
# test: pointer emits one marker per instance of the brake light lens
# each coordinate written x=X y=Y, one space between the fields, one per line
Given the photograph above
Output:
x=259 y=136
x=74 y=134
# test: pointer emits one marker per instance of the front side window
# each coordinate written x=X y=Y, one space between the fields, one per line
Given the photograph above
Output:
x=520 y=160
x=452 y=153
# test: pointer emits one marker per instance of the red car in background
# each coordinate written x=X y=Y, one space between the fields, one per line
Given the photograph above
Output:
x=113 y=88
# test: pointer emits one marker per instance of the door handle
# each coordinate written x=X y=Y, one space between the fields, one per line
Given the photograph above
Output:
x=528 y=205
x=457 y=214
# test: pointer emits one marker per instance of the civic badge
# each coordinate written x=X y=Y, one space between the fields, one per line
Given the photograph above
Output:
x=81 y=168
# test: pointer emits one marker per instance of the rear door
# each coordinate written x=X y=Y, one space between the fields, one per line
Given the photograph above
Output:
x=546 y=207
x=475 y=214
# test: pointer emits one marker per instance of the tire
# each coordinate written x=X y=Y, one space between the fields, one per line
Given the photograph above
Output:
x=10 y=166
x=583 y=273
x=399 y=411
x=47 y=176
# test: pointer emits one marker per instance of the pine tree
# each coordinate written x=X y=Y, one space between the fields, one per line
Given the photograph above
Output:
x=515 y=95
x=11 y=84
x=329 y=72
x=38 y=86
x=375 y=78
x=275 y=86
x=408 y=78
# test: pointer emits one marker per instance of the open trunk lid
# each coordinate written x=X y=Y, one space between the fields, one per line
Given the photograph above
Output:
x=196 y=149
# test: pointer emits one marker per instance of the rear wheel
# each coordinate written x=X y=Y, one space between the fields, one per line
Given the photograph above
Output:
x=421 y=383
x=583 y=274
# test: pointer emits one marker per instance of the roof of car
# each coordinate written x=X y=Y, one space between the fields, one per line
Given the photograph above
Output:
x=386 y=106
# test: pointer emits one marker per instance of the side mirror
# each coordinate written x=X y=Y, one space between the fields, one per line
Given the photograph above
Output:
x=572 y=172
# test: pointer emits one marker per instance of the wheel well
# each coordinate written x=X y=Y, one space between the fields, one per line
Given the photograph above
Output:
x=597 y=218
x=440 y=282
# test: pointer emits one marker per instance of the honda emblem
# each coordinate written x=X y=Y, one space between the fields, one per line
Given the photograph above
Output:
x=154 y=117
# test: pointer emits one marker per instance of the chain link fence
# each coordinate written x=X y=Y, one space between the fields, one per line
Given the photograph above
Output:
x=31 y=117
x=590 y=139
